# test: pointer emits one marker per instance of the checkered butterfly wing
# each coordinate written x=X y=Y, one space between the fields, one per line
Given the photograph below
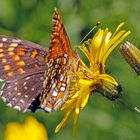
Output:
x=59 y=59
x=22 y=68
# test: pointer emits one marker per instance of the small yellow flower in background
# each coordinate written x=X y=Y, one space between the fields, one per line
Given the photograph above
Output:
x=90 y=78
x=30 y=130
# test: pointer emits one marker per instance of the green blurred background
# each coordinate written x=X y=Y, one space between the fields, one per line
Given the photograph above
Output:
x=101 y=119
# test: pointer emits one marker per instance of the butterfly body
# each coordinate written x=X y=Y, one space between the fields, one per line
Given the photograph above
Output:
x=36 y=77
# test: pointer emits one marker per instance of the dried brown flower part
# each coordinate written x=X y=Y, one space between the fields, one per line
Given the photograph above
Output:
x=132 y=55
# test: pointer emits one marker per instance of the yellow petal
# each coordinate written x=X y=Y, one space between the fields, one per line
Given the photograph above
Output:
x=85 y=101
x=114 y=42
x=96 y=41
x=63 y=121
x=118 y=28
x=108 y=78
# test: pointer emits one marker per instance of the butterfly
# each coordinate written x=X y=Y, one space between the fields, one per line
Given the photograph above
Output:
x=35 y=77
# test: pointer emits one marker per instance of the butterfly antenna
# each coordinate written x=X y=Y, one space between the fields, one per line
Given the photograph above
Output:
x=97 y=24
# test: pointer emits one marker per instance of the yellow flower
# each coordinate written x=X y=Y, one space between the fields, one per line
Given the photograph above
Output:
x=30 y=130
x=90 y=78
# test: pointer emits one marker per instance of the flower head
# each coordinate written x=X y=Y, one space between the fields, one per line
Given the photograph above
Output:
x=30 y=130
x=90 y=78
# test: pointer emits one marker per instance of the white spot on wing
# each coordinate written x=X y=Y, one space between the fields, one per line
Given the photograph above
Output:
x=22 y=101
x=63 y=84
x=15 y=88
x=3 y=98
x=19 y=93
x=55 y=93
x=4 y=39
x=16 y=40
x=14 y=44
x=48 y=109
x=27 y=78
x=25 y=88
x=41 y=78
x=26 y=96
x=14 y=99
x=9 y=104
x=65 y=55
x=17 y=107
x=62 y=77
x=33 y=89
x=1 y=92
x=62 y=89
x=24 y=83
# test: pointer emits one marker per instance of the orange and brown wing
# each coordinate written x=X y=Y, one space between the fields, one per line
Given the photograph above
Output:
x=59 y=59
x=60 y=43
x=20 y=58
x=22 y=68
